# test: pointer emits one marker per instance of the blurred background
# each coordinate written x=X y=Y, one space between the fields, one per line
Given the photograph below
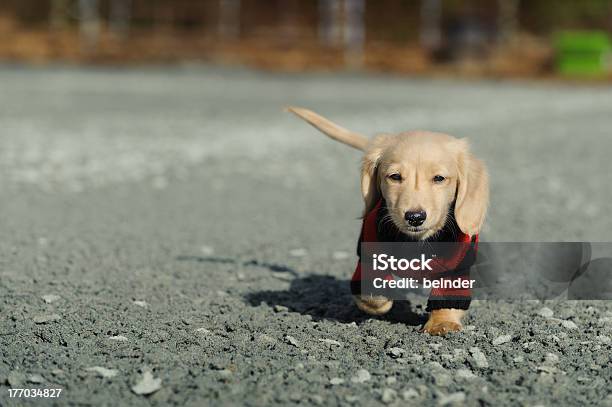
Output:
x=102 y=93
x=470 y=37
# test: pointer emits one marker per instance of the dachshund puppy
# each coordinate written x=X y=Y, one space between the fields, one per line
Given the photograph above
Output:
x=428 y=182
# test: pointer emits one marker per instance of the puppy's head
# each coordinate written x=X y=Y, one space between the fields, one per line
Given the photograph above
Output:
x=421 y=175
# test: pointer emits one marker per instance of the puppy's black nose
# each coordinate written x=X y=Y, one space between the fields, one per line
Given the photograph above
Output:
x=415 y=218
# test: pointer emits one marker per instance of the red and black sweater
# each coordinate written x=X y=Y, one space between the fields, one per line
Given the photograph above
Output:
x=375 y=229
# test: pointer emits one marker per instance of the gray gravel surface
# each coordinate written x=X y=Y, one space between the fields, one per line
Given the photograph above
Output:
x=170 y=237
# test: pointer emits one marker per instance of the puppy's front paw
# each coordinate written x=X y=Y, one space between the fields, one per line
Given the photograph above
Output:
x=378 y=305
x=443 y=321
x=441 y=328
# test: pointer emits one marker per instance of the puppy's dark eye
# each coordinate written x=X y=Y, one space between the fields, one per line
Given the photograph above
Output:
x=395 y=177
x=438 y=178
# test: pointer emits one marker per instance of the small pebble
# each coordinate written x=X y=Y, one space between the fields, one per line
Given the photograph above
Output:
x=202 y=331
x=15 y=378
x=316 y=399
x=43 y=319
x=225 y=373
x=388 y=396
x=528 y=345
x=551 y=358
x=410 y=394
x=142 y=304
x=147 y=384
x=36 y=379
x=604 y=339
x=479 y=358
x=119 y=338
x=546 y=312
x=335 y=381
x=396 y=352
x=292 y=341
x=49 y=298
x=330 y=342
x=102 y=371
x=442 y=379
x=546 y=369
x=465 y=374
x=361 y=376
x=569 y=324
x=391 y=380
x=502 y=339
x=452 y=399
x=280 y=308
x=283 y=276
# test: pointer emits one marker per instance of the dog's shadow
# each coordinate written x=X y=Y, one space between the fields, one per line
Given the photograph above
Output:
x=328 y=298
x=322 y=297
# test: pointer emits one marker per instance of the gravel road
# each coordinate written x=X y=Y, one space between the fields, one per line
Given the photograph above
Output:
x=170 y=237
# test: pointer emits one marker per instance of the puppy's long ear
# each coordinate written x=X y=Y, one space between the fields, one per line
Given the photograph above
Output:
x=370 y=190
x=472 y=192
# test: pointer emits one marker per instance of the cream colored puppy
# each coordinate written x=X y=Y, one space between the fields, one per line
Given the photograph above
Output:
x=419 y=174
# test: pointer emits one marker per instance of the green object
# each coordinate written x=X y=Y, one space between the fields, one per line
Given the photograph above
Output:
x=583 y=53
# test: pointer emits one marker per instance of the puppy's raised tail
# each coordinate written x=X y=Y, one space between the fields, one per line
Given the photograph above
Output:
x=356 y=140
